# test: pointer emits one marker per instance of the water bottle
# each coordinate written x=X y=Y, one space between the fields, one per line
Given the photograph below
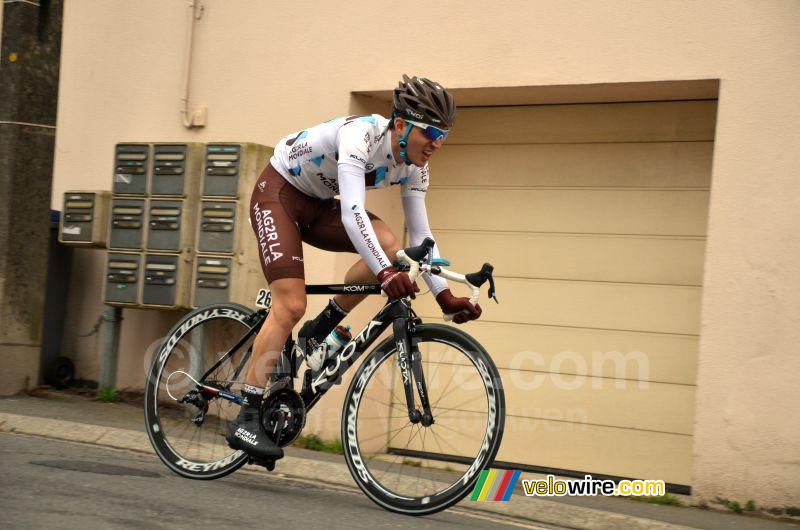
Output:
x=334 y=342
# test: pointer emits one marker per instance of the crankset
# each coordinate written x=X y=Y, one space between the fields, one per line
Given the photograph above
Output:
x=283 y=416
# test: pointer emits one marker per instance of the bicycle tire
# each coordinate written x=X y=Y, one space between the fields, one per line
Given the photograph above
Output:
x=490 y=444
x=183 y=464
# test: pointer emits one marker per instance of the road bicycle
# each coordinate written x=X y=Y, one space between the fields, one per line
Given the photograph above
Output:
x=422 y=417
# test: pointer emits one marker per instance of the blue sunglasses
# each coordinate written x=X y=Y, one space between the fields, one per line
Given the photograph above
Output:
x=431 y=133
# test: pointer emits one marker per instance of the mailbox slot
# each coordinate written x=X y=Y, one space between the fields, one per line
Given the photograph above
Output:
x=127 y=223
x=212 y=280
x=222 y=169
x=165 y=223
x=169 y=170
x=130 y=169
x=162 y=281
x=217 y=226
x=122 y=278
x=83 y=218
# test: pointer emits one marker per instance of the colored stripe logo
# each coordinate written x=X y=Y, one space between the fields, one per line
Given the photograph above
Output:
x=495 y=485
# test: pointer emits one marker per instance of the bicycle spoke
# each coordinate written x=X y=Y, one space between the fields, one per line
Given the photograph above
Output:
x=390 y=405
x=452 y=449
x=385 y=433
x=445 y=388
x=382 y=417
x=458 y=407
x=459 y=432
x=445 y=395
x=394 y=461
x=403 y=466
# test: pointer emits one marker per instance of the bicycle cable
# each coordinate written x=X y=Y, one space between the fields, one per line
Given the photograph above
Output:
x=170 y=377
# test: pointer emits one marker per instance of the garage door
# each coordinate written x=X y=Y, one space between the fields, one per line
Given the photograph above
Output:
x=594 y=216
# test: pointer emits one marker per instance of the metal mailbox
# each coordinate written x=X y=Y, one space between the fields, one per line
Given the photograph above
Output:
x=227 y=279
x=212 y=280
x=230 y=170
x=217 y=227
x=165 y=281
x=176 y=169
x=170 y=225
x=122 y=279
x=127 y=223
x=130 y=169
x=84 y=218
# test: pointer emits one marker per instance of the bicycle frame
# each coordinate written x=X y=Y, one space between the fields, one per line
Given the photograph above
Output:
x=397 y=313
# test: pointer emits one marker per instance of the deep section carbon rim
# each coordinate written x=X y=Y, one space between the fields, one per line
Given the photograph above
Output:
x=410 y=468
x=189 y=446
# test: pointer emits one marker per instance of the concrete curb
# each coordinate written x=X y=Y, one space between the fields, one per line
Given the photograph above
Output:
x=522 y=508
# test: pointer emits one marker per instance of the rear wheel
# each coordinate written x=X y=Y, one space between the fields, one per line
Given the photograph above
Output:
x=187 y=429
x=404 y=466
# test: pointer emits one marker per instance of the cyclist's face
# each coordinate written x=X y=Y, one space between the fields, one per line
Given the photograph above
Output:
x=420 y=148
x=426 y=147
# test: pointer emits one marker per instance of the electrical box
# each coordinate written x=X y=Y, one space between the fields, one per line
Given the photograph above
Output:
x=230 y=170
x=84 y=218
x=170 y=225
x=123 y=272
x=226 y=279
x=131 y=162
x=127 y=223
x=176 y=170
x=219 y=225
x=166 y=281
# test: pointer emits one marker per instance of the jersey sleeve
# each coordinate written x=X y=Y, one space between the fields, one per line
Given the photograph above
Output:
x=417 y=183
x=356 y=220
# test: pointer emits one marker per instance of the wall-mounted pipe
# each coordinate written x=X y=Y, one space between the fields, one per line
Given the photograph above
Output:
x=112 y=317
x=198 y=117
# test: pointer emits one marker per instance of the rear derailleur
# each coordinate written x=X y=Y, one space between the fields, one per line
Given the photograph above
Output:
x=196 y=398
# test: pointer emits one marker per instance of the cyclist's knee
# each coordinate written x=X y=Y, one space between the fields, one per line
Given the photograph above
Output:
x=288 y=301
x=294 y=309
x=288 y=311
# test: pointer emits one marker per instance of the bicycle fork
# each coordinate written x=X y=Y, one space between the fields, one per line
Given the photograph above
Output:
x=409 y=361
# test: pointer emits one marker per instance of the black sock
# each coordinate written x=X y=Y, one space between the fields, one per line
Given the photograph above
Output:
x=324 y=323
x=253 y=401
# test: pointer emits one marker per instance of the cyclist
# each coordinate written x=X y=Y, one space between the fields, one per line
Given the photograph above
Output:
x=293 y=201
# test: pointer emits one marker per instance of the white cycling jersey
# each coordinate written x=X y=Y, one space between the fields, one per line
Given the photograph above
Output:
x=310 y=159
x=346 y=156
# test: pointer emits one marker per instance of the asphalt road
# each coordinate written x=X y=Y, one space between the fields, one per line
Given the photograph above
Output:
x=54 y=484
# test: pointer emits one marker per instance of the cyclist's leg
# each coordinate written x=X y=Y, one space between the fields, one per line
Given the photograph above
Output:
x=275 y=211
x=328 y=233
x=288 y=307
x=276 y=208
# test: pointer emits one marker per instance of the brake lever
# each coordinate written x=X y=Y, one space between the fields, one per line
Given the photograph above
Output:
x=420 y=252
x=479 y=278
x=492 y=293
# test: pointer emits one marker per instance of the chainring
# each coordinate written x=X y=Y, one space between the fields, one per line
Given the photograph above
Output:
x=283 y=416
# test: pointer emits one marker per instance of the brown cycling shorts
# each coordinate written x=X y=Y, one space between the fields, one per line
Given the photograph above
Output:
x=283 y=217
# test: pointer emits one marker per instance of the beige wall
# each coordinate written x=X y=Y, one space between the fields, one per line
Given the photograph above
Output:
x=264 y=72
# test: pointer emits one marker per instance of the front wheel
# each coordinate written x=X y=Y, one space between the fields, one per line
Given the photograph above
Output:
x=404 y=466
